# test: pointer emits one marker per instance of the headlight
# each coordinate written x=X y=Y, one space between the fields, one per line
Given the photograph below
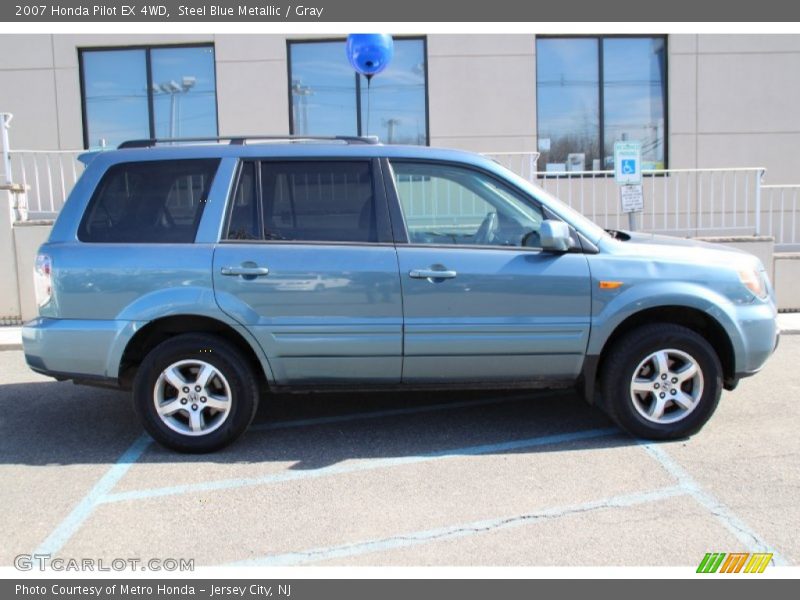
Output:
x=753 y=280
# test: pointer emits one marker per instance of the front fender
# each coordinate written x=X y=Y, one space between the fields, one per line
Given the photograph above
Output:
x=612 y=307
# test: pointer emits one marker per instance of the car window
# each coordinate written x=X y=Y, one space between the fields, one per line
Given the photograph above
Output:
x=322 y=201
x=444 y=204
x=243 y=223
x=149 y=202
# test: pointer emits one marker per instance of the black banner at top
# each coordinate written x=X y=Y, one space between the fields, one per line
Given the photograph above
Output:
x=470 y=11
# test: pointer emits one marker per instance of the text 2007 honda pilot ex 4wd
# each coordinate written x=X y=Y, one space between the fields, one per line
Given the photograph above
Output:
x=201 y=275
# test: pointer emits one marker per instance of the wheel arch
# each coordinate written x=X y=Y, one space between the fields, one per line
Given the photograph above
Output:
x=158 y=330
x=692 y=318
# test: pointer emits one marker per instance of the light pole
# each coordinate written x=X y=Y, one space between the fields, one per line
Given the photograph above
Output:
x=300 y=94
x=391 y=123
x=174 y=89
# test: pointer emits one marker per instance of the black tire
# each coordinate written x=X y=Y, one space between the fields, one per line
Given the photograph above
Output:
x=625 y=357
x=228 y=361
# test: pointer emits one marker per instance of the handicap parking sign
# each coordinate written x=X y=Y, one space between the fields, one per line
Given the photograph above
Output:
x=628 y=163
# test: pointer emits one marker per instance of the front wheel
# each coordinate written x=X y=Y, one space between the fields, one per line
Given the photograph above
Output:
x=661 y=381
x=195 y=393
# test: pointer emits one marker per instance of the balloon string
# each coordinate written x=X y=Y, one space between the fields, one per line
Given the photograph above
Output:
x=369 y=87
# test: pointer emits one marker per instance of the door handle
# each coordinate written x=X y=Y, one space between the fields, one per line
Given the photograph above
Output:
x=245 y=271
x=431 y=274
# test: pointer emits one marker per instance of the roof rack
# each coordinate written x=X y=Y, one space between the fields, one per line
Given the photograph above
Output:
x=239 y=140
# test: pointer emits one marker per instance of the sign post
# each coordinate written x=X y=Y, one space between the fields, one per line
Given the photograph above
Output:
x=628 y=175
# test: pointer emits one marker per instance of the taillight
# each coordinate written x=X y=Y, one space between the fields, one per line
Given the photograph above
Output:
x=43 y=279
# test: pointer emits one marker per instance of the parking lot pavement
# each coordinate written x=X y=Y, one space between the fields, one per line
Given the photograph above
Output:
x=470 y=478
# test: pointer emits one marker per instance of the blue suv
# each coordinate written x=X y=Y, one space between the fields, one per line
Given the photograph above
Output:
x=204 y=275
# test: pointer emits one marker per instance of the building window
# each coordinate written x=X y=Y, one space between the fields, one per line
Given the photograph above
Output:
x=119 y=104
x=328 y=98
x=594 y=91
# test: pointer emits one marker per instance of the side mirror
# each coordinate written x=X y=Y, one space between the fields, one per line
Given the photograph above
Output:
x=555 y=236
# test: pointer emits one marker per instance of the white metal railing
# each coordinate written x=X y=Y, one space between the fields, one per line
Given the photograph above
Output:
x=521 y=163
x=47 y=178
x=688 y=202
x=781 y=215
x=440 y=203
x=677 y=201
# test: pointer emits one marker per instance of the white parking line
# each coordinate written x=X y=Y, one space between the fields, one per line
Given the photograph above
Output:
x=686 y=486
x=363 y=465
x=752 y=541
x=100 y=492
x=67 y=528
x=416 y=538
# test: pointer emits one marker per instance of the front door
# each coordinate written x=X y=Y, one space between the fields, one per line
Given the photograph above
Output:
x=481 y=300
x=307 y=265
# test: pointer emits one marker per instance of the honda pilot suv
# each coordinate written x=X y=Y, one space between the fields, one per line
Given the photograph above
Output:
x=203 y=276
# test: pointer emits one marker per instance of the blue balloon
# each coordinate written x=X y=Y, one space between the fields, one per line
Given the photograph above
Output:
x=369 y=53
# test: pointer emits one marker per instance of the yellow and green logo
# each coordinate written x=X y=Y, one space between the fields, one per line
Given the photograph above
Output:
x=734 y=562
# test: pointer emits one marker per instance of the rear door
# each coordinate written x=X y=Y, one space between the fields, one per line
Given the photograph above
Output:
x=308 y=265
x=482 y=301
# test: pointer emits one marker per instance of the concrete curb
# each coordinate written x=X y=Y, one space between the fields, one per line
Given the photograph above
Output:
x=10 y=338
x=789 y=323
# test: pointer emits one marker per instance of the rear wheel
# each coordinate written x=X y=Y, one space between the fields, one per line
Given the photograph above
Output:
x=661 y=381
x=195 y=393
